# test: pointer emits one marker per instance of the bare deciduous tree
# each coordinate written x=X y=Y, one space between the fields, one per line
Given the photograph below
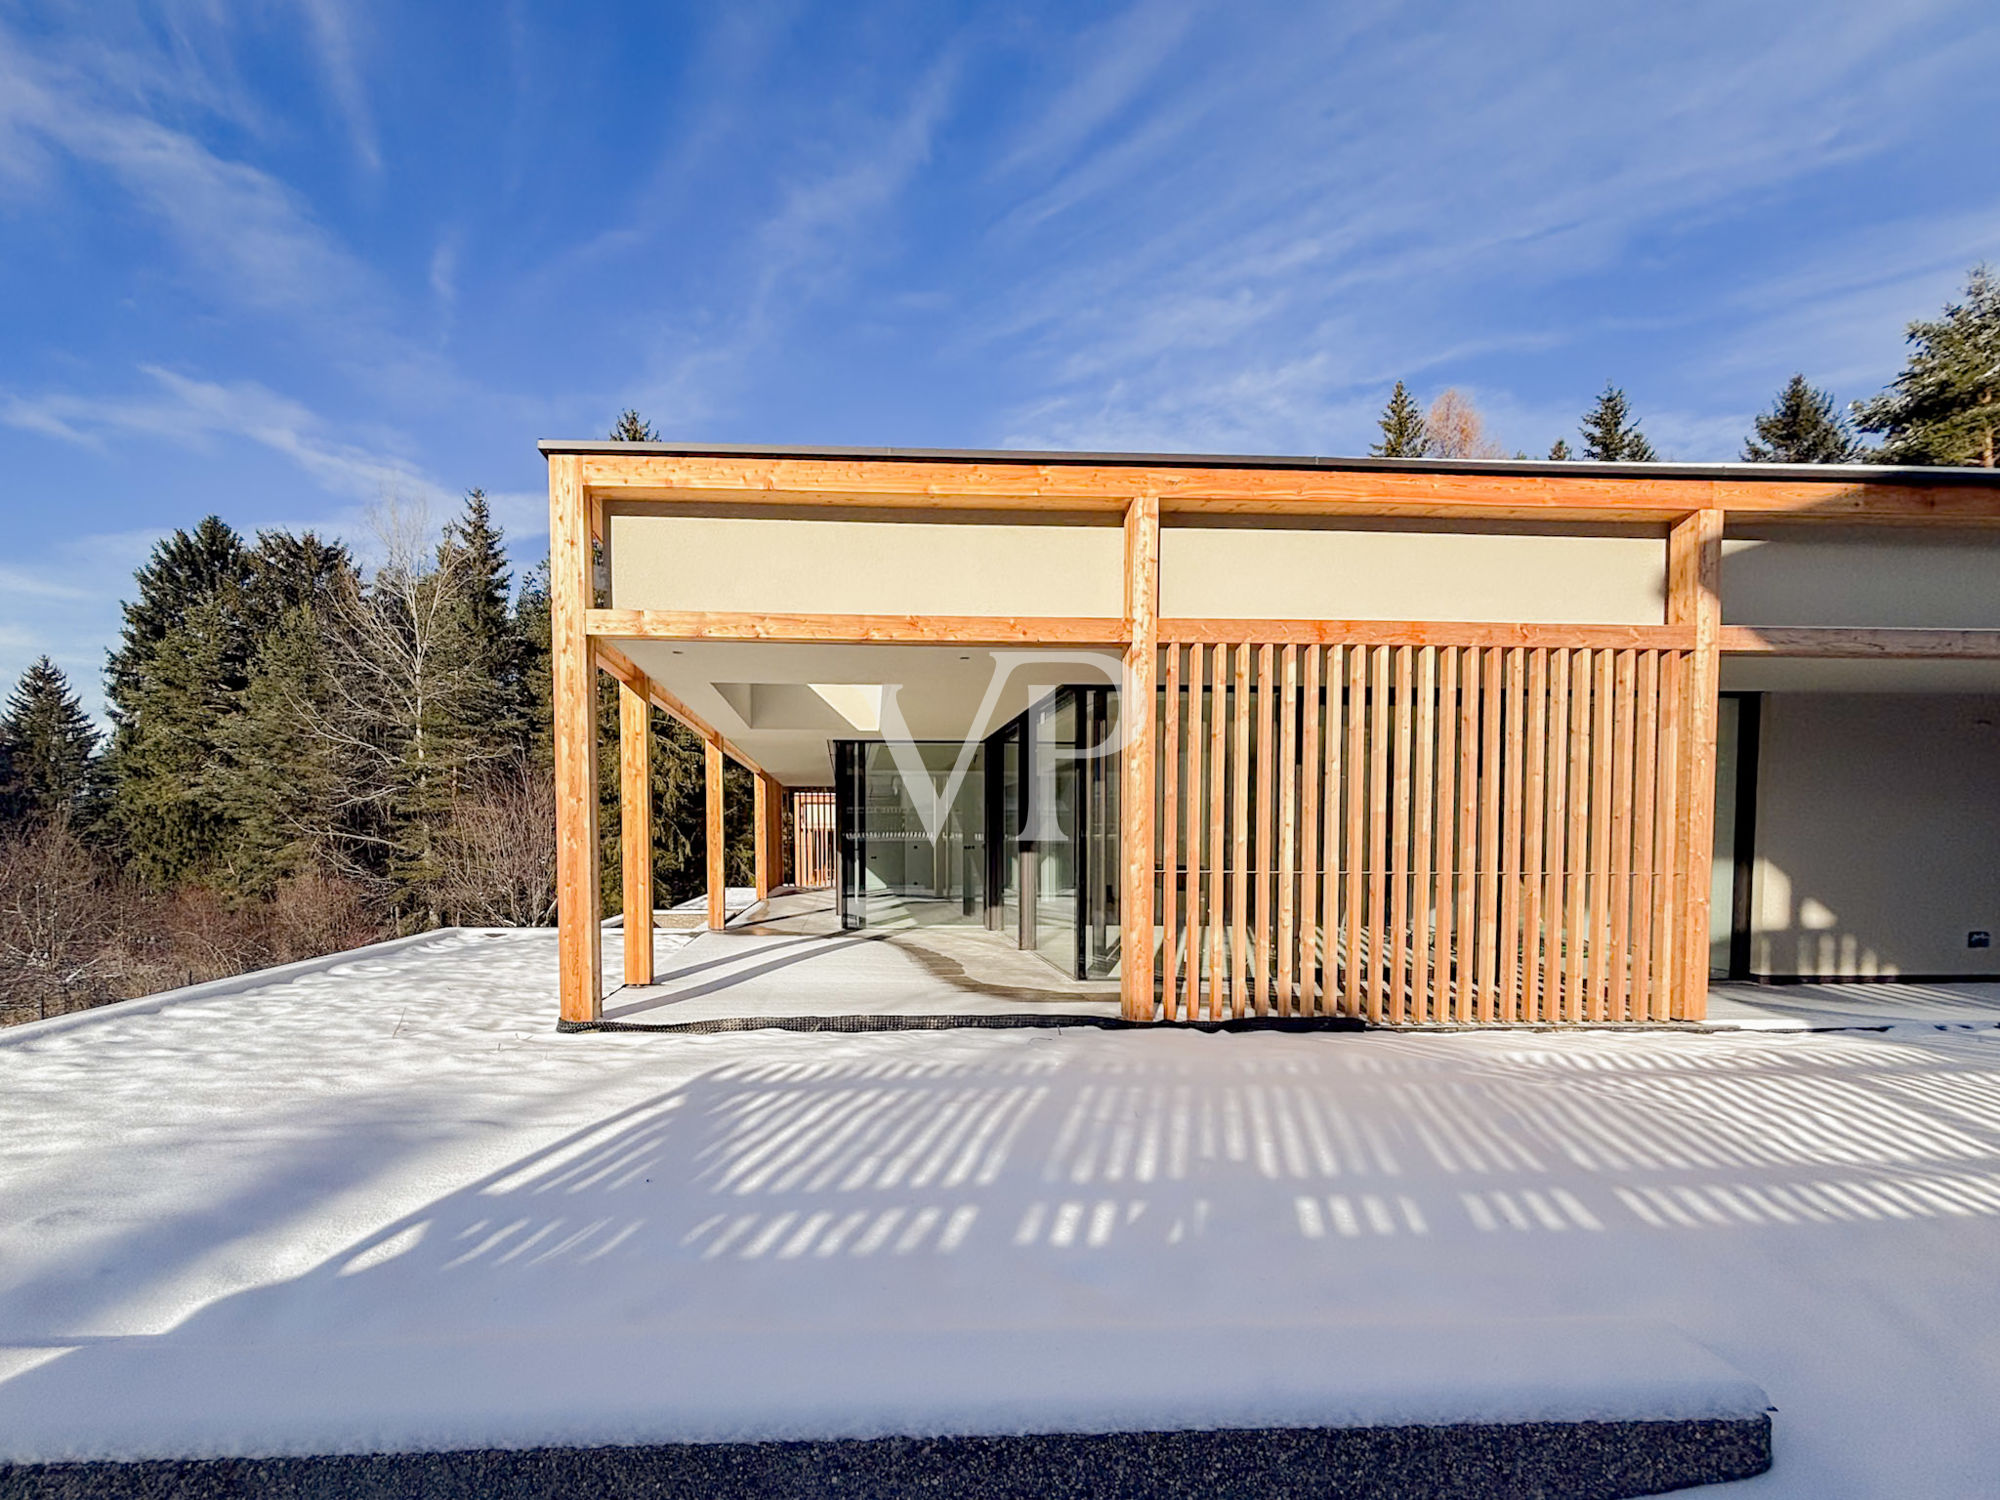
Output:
x=496 y=855
x=1456 y=430
x=53 y=921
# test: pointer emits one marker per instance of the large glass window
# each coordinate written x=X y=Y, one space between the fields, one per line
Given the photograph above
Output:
x=913 y=833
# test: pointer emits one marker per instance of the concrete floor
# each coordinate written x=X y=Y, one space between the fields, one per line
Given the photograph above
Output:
x=790 y=958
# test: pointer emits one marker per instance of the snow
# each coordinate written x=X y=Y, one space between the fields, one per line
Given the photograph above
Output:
x=381 y=1203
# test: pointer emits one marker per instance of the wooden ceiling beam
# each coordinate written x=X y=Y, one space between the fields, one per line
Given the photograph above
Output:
x=1195 y=490
x=625 y=670
x=857 y=630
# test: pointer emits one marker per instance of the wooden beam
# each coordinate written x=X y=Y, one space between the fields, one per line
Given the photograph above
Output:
x=573 y=685
x=1136 y=796
x=1580 y=493
x=718 y=888
x=635 y=831
x=858 y=630
x=1694 y=598
x=620 y=667
x=1494 y=633
x=1859 y=645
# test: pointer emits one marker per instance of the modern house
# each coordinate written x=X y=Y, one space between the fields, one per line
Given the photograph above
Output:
x=1421 y=741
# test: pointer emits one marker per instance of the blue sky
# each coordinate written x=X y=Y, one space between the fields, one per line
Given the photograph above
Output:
x=286 y=262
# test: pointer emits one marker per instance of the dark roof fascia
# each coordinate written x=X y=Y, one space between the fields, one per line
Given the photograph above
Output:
x=1818 y=473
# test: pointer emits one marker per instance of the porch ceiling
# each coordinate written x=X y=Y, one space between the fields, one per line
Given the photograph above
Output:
x=929 y=692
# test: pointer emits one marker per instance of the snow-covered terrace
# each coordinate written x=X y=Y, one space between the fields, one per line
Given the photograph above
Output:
x=383 y=1205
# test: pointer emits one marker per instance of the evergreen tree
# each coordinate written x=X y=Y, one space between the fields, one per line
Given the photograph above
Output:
x=293 y=799
x=633 y=428
x=185 y=570
x=1559 y=451
x=49 y=748
x=1402 y=425
x=288 y=572
x=1802 y=427
x=492 y=718
x=1945 y=406
x=173 y=678
x=1611 y=435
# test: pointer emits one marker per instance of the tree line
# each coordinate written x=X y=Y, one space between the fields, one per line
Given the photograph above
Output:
x=1943 y=409
x=306 y=754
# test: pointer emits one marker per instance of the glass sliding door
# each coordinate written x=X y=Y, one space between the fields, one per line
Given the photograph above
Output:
x=1020 y=834
x=912 y=821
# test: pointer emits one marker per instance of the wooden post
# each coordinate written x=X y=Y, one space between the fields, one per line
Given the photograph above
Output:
x=635 y=830
x=573 y=679
x=1135 y=892
x=718 y=888
x=1694 y=597
x=769 y=835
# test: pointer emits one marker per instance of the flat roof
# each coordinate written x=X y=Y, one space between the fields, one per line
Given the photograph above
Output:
x=1555 y=469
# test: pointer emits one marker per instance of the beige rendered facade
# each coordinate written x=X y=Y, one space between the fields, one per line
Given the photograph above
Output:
x=1426 y=742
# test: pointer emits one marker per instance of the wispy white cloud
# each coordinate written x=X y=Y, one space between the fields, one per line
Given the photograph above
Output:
x=334 y=48
x=184 y=410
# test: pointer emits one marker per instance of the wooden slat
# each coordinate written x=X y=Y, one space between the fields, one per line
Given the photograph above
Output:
x=1331 y=813
x=1040 y=481
x=1218 y=854
x=1262 y=873
x=1846 y=642
x=1136 y=799
x=1496 y=633
x=1309 y=836
x=1353 y=933
x=858 y=630
x=1620 y=930
x=1534 y=858
x=1241 y=833
x=1196 y=845
x=635 y=832
x=1287 y=845
x=1444 y=987
x=1466 y=856
x=1424 y=783
x=1602 y=710
x=1378 y=827
x=1170 y=837
x=1555 y=930
x=1486 y=995
x=1667 y=842
x=1645 y=760
x=1576 y=887
x=718 y=884
x=573 y=688
x=1398 y=947
x=1512 y=777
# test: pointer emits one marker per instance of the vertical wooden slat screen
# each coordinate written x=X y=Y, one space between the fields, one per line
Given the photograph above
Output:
x=812 y=839
x=1420 y=834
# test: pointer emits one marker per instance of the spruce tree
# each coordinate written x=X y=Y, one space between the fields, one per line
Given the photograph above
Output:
x=473 y=556
x=1802 y=427
x=291 y=796
x=182 y=658
x=1945 y=406
x=1610 y=434
x=1559 y=451
x=1402 y=424
x=632 y=428
x=49 y=748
